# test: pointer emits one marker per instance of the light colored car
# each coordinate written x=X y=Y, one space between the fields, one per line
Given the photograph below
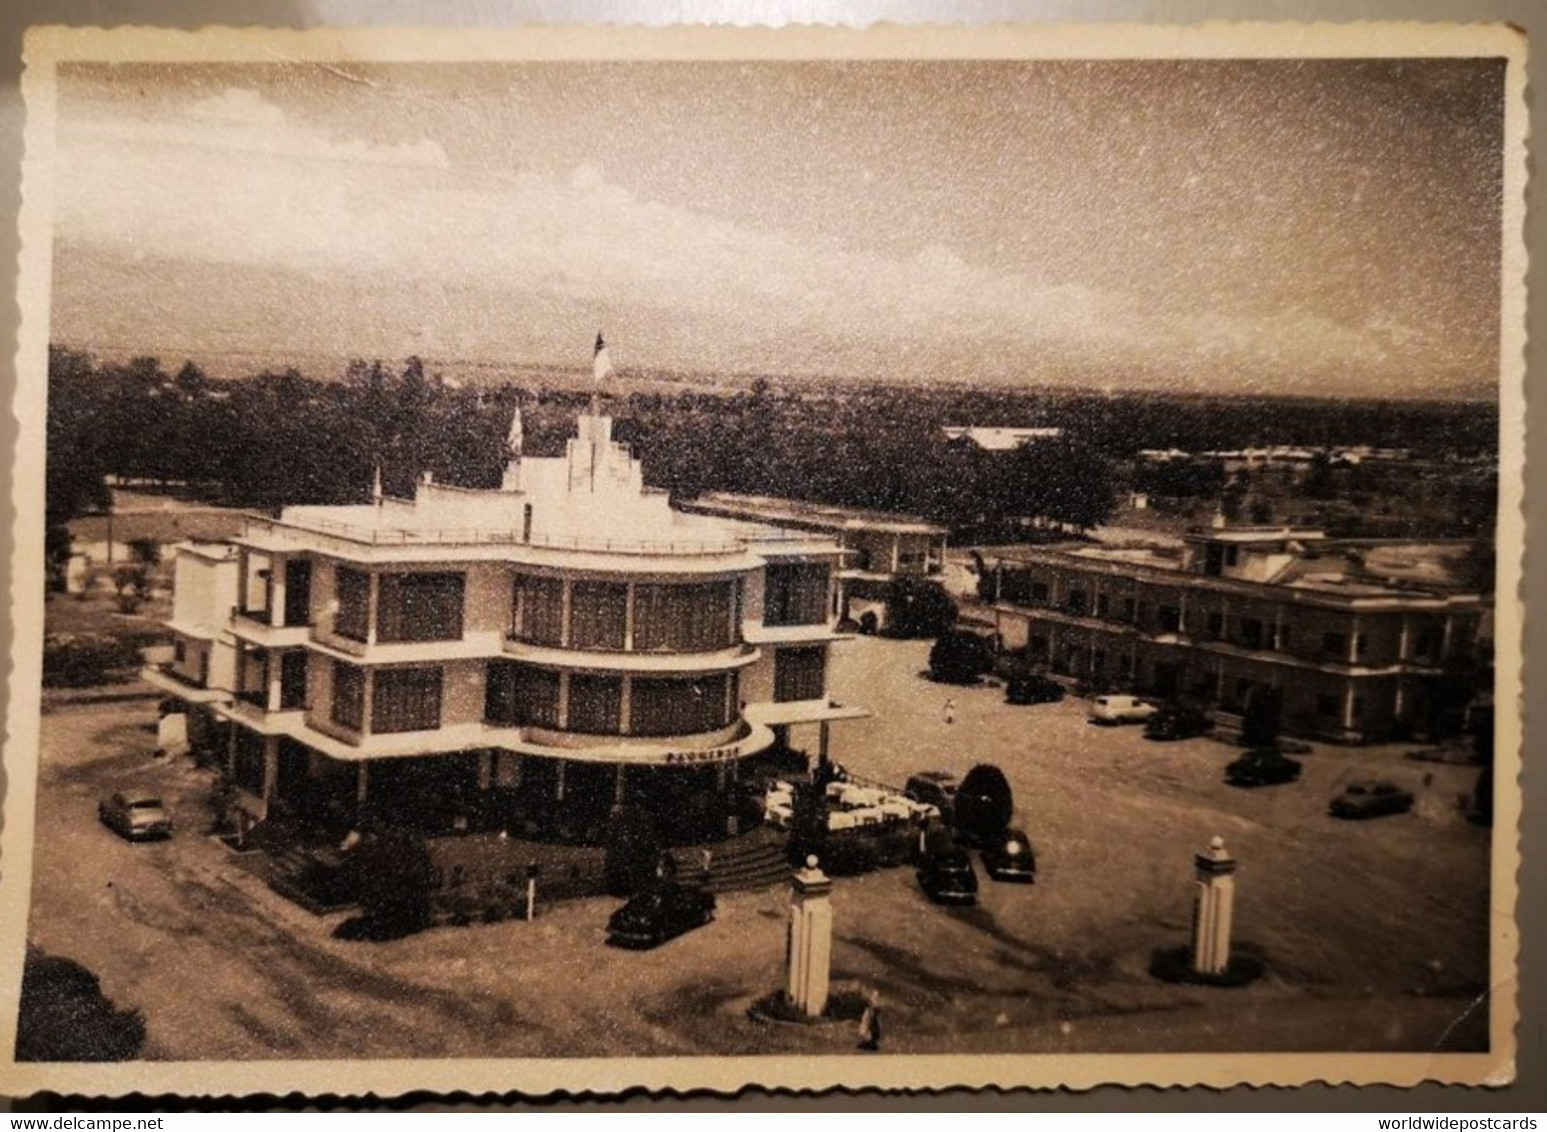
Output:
x=136 y=814
x=1120 y=709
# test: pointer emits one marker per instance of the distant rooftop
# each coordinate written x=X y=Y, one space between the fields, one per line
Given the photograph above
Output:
x=995 y=439
x=771 y=509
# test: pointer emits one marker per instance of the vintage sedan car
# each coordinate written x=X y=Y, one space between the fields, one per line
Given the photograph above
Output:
x=136 y=814
x=1369 y=798
x=1262 y=766
x=1033 y=689
x=661 y=912
x=935 y=788
x=1112 y=710
x=1010 y=858
x=947 y=877
x=1178 y=721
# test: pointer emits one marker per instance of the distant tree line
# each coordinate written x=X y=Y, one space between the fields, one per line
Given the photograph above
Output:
x=279 y=438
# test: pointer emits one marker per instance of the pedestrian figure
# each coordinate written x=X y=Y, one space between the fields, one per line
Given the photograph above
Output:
x=870 y=1026
x=705 y=863
x=950 y=711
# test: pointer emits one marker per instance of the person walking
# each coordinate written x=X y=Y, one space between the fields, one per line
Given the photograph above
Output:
x=870 y=1025
x=950 y=710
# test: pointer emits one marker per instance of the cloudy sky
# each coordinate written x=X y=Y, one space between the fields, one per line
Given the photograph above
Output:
x=1278 y=225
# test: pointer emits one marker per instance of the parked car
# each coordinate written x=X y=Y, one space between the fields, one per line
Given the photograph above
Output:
x=136 y=814
x=935 y=788
x=1178 y=721
x=1369 y=798
x=1010 y=858
x=946 y=876
x=1120 y=709
x=1262 y=766
x=1033 y=689
x=659 y=913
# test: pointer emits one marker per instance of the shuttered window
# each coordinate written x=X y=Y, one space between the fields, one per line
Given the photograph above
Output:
x=348 y=696
x=406 y=699
x=353 y=590
x=595 y=704
x=598 y=613
x=419 y=607
x=682 y=706
x=795 y=593
x=692 y=617
x=539 y=610
x=800 y=674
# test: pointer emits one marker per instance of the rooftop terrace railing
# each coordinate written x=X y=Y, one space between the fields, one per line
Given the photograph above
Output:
x=476 y=536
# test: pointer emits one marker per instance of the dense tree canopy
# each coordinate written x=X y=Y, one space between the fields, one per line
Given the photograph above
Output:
x=283 y=437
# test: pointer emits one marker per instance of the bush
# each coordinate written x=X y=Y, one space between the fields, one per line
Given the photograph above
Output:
x=64 y=1015
x=392 y=874
x=961 y=658
x=918 y=608
x=85 y=660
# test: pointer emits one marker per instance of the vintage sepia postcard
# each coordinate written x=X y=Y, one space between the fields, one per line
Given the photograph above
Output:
x=589 y=559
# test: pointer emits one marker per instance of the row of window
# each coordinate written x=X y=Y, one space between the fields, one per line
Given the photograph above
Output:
x=409 y=698
x=675 y=617
x=1211 y=625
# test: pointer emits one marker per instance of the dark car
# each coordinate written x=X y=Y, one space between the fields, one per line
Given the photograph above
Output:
x=1177 y=721
x=1010 y=858
x=935 y=788
x=136 y=814
x=661 y=912
x=1370 y=799
x=946 y=876
x=1033 y=689
x=1262 y=767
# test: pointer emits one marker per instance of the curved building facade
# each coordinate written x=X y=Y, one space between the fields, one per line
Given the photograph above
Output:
x=530 y=658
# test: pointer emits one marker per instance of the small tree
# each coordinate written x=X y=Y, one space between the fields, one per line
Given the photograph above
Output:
x=1263 y=717
x=808 y=827
x=632 y=848
x=984 y=805
x=917 y=607
x=961 y=658
x=393 y=875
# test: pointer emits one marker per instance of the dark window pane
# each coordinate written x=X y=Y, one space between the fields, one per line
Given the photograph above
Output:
x=800 y=674
x=406 y=699
x=595 y=704
x=795 y=593
x=681 y=706
x=353 y=589
x=419 y=607
x=348 y=696
x=539 y=610
x=597 y=615
x=695 y=617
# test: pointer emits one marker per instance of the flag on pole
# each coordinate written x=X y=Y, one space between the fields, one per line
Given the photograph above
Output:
x=514 y=440
x=601 y=364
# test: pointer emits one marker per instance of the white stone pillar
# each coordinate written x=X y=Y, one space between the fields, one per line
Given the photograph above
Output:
x=172 y=734
x=270 y=768
x=810 y=942
x=1213 y=906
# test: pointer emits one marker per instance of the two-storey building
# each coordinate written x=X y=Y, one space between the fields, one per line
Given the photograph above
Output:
x=1362 y=639
x=880 y=546
x=531 y=657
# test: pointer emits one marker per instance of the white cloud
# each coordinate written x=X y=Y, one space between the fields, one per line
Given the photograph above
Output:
x=236 y=181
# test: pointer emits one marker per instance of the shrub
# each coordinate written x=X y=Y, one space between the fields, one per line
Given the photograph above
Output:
x=961 y=658
x=64 y=1016
x=632 y=849
x=918 y=608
